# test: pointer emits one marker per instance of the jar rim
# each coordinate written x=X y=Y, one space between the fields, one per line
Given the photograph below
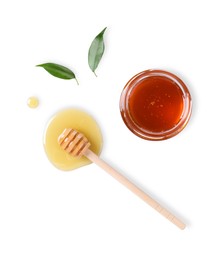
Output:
x=145 y=133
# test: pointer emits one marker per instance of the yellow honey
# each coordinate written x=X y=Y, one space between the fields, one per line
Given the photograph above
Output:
x=33 y=102
x=76 y=119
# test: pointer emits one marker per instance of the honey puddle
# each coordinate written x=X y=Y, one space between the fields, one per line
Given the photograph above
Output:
x=76 y=119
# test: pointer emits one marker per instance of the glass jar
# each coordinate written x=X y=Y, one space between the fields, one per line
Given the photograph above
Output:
x=155 y=105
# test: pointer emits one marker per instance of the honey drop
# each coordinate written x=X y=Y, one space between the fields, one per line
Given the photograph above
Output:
x=33 y=102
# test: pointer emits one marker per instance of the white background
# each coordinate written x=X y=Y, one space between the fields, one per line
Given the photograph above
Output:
x=85 y=214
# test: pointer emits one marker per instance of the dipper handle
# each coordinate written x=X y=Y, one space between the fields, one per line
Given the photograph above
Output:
x=132 y=187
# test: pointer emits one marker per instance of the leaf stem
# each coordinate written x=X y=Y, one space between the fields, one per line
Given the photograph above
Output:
x=95 y=73
x=77 y=81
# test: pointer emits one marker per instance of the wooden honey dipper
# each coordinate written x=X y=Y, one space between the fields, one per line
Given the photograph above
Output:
x=77 y=145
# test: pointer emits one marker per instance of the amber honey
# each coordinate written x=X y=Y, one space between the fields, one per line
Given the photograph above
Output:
x=155 y=105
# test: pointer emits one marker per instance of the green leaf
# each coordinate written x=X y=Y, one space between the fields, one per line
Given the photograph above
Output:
x=58 y=71
x=96 y=51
